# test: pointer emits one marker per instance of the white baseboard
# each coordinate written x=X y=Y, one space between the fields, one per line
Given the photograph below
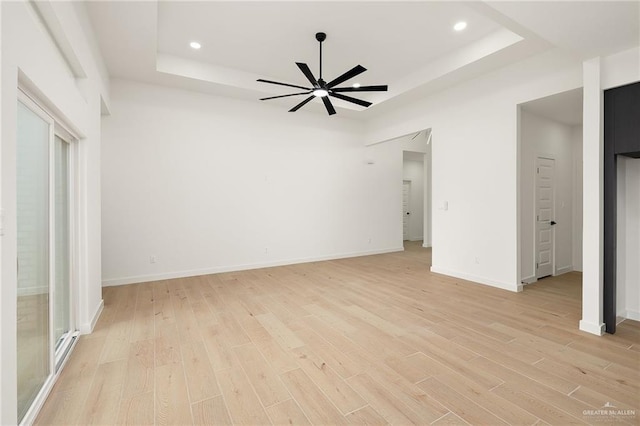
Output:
x=426 y=245
x=589 y=327
x=631 y=314
x=87 y=328
x=478 y=279
x=234 y=268
x=530 y=279
x=416 y=239
x=564 y=270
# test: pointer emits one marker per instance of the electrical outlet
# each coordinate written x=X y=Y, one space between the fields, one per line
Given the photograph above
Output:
x=153 y=259
x=266 y=250
x=477 y=260
x=369 y=240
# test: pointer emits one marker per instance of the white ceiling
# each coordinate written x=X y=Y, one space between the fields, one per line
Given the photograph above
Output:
x=410 y=46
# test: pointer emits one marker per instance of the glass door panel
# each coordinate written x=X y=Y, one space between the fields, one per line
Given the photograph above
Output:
x=62 y=302
x=32 y=193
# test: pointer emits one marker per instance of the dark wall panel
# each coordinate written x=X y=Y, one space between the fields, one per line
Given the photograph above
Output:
x=621 y=137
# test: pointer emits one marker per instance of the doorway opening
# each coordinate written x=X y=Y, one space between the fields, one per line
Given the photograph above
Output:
x=416 y=192
x=550 y=188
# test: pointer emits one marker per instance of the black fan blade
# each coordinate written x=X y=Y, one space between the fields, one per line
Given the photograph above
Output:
x=361 y=89
x=283 y=84
x=307 y=73
x=350 y=99
x=357 y=70
x=285 y=96
x=328 y=105
x=301 y=104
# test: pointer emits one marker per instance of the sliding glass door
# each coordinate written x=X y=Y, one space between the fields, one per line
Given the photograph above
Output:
x=34 y=366
x=44 y=308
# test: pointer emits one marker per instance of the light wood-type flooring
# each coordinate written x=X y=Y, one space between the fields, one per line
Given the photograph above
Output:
x=369 y=340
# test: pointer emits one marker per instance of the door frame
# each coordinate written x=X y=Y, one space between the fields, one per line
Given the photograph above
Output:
x=535 y=216
x=57 y=361
x=408 y=209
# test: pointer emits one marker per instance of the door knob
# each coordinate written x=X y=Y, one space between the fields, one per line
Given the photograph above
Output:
x=553 y=222
x=408 y=213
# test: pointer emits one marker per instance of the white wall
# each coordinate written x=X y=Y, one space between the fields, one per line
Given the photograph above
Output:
x=474 y=154
x=541 y=137
x=414 y=171
x=27 y=48
x=628 y=239
x=208 y=184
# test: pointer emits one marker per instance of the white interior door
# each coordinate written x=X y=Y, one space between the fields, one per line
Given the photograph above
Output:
x=406 y=213
x=545 y=214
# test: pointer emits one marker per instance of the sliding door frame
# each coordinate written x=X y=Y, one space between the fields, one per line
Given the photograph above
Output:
x=57 y=359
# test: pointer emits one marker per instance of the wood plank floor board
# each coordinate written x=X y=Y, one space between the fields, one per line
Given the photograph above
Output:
x=279 y=359
x=316 y=407
x=63 y=408
x=136 y=410
x=167 y=345
x=538 y=390
x=505 y=410
x=330 y=334
x=549 y=348
x=218 y=349
x=366 y=416
x=544 y=411
x=211 y=412
x=103 y=400
x=623 y=357
x=287 y=413
x=615 y=388
x=442 y=360
x=597 y=400
x=82 y=365
x=171 y=396
x=631 y=376
x=458 y=404
x=199 y=374
x=264 y=380
x=139 y=376
x=400 y=388
x=390 y=407
x=449 y=419
x=533 y=372
x=370 y=340
x=334 y=387
x=279 y=331
x=337 y=360
x=241 y=400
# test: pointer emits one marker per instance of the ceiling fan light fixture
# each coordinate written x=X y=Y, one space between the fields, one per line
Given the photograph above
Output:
x=195 y=45
x=460 y=26
x=320 y=93
x=323 y=90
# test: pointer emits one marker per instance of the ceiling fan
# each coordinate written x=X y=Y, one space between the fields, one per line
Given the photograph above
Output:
x=322 y=89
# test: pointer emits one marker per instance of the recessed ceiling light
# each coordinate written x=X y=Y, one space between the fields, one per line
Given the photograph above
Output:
x=460 y=26
x=320 y=93
x=195 y=45
x=356 y=85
